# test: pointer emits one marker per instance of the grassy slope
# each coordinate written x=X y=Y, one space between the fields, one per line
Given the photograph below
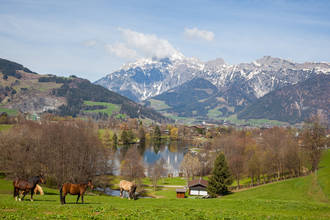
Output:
x=323 y=175
x=11 y=112
x=314 y=187
x=296 y=198
x=111 y=108
x=4 y=127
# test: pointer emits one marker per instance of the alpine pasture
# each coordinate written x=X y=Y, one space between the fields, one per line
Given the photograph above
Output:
x=300 y=198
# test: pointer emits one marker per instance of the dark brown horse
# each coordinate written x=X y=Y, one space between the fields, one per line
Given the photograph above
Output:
x=74 y=189
x=26 y=186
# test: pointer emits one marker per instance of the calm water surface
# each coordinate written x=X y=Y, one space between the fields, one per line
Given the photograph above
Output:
x=171 y=152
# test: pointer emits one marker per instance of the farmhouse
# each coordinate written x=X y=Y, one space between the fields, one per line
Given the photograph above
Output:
x=198 y=187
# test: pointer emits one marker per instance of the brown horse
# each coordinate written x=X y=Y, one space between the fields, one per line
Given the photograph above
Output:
x=37 y=190
x=129 y=187
x=74 y=189
x=26 y=186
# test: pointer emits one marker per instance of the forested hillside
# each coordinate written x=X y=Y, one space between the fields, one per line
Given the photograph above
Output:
x=23 y=91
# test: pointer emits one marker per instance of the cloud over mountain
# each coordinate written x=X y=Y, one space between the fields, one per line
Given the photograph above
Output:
x=200 y=34
x=137 y=44
x=121 y=50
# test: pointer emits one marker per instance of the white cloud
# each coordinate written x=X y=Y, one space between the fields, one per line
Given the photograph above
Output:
x=121 y=50
x=201 y=34
x=149 y=44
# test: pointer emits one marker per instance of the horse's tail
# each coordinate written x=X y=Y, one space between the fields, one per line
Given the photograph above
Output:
x=61 y=194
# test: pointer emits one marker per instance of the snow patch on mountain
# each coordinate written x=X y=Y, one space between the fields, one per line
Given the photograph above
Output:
x=149 y=77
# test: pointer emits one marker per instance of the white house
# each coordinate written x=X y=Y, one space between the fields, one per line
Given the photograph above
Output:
x=198 y=187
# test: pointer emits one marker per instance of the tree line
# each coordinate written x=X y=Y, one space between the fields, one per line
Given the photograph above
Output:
x=262 y=155
x=61 y=151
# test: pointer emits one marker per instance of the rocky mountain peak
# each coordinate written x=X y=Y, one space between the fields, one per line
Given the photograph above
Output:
x=215 y=63
x=274 y=62
x=149 y=77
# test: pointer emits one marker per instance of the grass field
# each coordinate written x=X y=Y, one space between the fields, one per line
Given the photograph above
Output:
x=301 y=198
x=110 y=108
x=158 y=104
x=4 y=127
x=11 y=112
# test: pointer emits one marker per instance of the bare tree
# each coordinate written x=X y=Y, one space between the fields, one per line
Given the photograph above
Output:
x=190 y=165
x=62 y=151
x=314 y=141
x=132 y=165
x=156 y=171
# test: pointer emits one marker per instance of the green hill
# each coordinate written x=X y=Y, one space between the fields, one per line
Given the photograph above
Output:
x=300 y=198
x=311 y=188
x=21 y=90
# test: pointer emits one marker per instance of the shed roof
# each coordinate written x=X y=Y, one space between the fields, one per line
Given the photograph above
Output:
x=181 y=190
x=196 y=182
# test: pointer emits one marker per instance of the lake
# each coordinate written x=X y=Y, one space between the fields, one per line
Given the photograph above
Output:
x=171 y=152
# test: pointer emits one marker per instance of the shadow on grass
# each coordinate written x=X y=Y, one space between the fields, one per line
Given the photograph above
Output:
x=52 y=193
x=85 y=203
x=39 y=200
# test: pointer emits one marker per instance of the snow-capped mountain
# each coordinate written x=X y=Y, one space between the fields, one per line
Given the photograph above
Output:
x=263 y=75
x=146 y=78
x=149 y=77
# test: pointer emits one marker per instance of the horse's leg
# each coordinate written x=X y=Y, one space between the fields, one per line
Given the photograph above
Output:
x=24 y=193
x=16 y=193
x=78 y=198
x=19 y=195
x=32 y=191
x=82 y=198
x=63 y=198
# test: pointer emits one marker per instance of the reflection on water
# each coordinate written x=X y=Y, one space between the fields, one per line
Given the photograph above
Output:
x=171 y=152
x=115 y=192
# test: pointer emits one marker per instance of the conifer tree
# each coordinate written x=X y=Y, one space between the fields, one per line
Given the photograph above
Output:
x=157 y=134
x=142 y=142
x=220 y=178
x=114 y=141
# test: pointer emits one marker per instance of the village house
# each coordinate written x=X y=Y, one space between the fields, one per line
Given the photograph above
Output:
x=198 y=187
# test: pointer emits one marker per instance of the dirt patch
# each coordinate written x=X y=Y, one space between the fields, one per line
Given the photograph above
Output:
x=9 y=210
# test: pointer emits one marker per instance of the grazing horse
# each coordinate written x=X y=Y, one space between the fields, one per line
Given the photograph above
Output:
x=26 y=186
x=36 y=190
x=74 y=189
x=129 y=187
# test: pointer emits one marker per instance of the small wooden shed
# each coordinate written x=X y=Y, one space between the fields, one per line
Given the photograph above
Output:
x=198 y=187
x=180 y=193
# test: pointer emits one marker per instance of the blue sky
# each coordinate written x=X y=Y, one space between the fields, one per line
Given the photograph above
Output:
x=93 y=38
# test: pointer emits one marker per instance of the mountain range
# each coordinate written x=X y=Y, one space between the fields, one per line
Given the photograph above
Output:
x=188 y=87
x=22 y=90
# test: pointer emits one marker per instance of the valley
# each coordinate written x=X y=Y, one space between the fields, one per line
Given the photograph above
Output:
x=165 y=109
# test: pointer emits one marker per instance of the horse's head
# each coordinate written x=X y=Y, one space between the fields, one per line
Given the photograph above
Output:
x=90 y=184
x=42 y=179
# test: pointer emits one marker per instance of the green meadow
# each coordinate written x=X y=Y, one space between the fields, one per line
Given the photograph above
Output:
x=109 y=107
x=300 y=198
